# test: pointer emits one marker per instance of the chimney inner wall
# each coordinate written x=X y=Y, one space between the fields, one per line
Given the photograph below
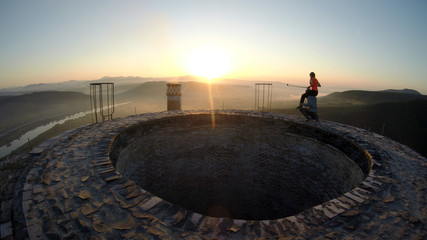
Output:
x=244 y=168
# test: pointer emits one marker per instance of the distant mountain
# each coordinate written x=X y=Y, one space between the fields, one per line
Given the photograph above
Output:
x=408 y=91
x=71 y=85
x=148 y=91
x=358 y=97
x=195 y=95
x=122 y=84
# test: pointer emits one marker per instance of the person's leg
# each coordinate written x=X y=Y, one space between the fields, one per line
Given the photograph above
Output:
x=305 y=113
x=303 y=96
x=314 y=116
x=307 y=94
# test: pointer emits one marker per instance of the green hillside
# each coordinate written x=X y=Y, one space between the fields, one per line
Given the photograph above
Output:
x=23 y=113
x=405 y=122
x=358 y=97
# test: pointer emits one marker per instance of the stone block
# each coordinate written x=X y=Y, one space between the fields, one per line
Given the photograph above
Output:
x=195 y=218
x=354 y=197
x=27 y=195
x=6 y=229
x=35 y=232
x=147 y=205
x=6 y=210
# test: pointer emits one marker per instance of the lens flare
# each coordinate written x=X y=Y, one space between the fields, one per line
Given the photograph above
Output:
x=209 y=62
x=211 y=104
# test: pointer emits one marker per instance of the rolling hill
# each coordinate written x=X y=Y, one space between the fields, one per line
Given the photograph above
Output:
x=405 y=122
x=358 y=97
x=24 y=112
x=397 y=114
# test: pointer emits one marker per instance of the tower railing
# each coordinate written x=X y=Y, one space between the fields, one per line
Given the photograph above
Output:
x=102 y=101
x=263 y=96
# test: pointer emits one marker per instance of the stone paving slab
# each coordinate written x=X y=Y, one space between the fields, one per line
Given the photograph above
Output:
x=74 y=192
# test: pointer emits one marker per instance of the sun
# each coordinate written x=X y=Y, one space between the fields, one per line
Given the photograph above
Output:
x=208 y=61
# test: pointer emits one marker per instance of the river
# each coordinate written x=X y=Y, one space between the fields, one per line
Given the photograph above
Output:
x=30 y=135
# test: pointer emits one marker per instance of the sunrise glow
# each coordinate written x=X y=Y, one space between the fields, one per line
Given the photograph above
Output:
x=208 y=61
x=44 y=42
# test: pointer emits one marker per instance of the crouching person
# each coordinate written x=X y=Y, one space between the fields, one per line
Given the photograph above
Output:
x=309 y=110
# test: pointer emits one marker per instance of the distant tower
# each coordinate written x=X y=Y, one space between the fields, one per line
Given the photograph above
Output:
x=174 y=96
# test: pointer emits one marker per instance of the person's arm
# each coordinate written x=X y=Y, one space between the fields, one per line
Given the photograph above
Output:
x=318 y=84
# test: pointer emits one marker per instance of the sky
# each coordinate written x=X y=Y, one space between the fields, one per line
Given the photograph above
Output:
x=364 y=44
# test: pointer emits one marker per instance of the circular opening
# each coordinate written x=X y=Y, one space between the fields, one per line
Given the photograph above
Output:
x=243 y=167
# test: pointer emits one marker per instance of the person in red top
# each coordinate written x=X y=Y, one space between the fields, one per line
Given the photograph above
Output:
x=310 y=92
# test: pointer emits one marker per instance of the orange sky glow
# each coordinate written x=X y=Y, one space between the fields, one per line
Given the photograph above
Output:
x=355 y=45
